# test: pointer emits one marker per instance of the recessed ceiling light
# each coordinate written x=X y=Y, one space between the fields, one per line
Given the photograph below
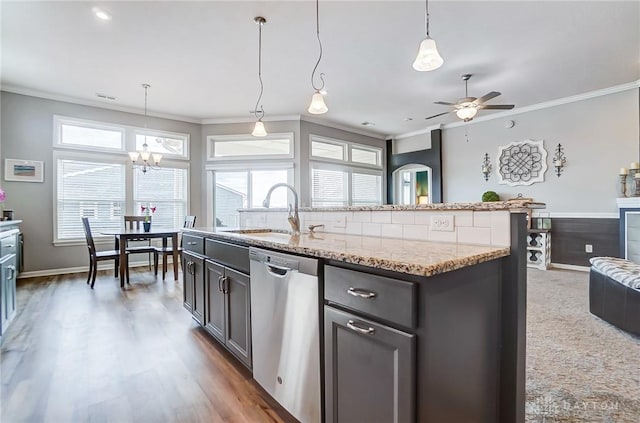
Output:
x=408 y=119
x=101 y=14
x=365 y=123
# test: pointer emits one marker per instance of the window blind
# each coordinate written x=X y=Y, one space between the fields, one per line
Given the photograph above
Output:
x=329 y=188
x=89 y=189
x=366 y=189
x=166 y=189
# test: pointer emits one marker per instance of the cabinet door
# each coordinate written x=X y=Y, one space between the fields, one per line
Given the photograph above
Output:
x=198 y=290
x=369 y=370
x=238 y=305
x=10 y=288
x=4 y=272
x=188 y=280
x=215 y=312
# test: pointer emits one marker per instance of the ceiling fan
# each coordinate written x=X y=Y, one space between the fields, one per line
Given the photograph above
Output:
x=466 y=108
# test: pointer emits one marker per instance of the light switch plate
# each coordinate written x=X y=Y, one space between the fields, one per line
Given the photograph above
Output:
x=442 y=222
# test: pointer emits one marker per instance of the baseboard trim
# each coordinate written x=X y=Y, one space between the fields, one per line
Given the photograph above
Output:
x=81 y=269
x=569 y=267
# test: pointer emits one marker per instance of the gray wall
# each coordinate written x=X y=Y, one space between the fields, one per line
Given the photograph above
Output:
x=599 y=135
x=27 y=133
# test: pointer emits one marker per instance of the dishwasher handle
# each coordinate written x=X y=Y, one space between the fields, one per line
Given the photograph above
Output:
x=277 y=271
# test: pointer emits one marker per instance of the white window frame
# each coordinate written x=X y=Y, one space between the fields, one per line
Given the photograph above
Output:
x=233 y=167
x=347 y=165
x=212 y=139
x=165 y=134
x=349 y=146
x=59 y=121
x=106 y=155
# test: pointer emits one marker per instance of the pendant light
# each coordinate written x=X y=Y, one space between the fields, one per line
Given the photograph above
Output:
x=259 y=130
x=144 y=154
x=428 y=58
x=318 y=106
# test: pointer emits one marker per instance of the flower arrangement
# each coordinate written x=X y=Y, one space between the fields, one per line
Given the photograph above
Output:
x=3 y=196
x=148 y=211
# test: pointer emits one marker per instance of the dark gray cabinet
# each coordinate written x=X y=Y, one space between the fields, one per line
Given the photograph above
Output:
x=228 y=316
x=193 y=285
x=369 y=370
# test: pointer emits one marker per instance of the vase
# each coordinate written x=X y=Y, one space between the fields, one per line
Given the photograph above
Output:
x=146 y=226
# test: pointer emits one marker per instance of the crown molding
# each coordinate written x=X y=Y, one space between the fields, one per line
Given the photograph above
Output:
x=418 y=132
x=531 y=108
x=216 y=121
x=334 y=125
x=92 y=103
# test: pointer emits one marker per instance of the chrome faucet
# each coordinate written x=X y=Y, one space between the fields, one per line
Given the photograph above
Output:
x=293 y=218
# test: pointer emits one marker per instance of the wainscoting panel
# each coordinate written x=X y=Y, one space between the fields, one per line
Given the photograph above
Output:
x=570 y=235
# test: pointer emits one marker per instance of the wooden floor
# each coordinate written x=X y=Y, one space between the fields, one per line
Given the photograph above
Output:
x=79 y=355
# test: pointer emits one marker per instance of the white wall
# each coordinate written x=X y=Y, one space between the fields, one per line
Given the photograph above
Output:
x=599 y=135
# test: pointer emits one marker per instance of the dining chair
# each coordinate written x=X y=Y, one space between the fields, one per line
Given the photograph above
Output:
x=96 y=256
x=189 y=222
x=135 y=222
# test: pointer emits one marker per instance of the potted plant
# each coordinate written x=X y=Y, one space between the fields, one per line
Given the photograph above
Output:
x=490 y=196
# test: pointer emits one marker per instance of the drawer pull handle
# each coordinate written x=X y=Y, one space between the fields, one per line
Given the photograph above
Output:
x=356 y=292
x=192 y=243
x=9 y=246
x=351 y=324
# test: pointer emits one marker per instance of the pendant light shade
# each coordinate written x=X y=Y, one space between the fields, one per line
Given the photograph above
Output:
x=259 y=129
x=428 y=57
x=318 y=106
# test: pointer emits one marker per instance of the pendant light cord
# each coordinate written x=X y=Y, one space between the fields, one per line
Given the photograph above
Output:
x=146 y=87
x=260 y=112
x=426 y=18
x=313 y=84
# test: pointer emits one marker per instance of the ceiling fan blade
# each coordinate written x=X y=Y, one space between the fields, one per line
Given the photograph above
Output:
x=434 y=116
x=487 y=97
x=496 y=106
x=444 y=103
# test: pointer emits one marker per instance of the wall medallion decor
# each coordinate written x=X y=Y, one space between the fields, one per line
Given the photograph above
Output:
x=522 y=163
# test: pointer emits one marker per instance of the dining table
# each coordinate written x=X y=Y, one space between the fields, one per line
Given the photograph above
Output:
x=122 y=236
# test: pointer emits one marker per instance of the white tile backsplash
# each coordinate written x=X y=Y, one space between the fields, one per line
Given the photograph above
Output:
x=391 y=230
x=403 y=217
x=372 y=229
x=474 y=227
x=471 y=235
x=381 y=217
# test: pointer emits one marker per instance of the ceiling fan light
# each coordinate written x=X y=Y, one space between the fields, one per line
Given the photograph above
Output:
x=258 y=130
x=317 y=106
x=428 y=58
x=466 y=113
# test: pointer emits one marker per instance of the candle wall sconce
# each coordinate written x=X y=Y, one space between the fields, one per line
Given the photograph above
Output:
x=486 y=166
x=559 y=160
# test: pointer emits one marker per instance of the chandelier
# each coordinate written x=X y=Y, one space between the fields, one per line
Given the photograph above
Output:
x=148 y=160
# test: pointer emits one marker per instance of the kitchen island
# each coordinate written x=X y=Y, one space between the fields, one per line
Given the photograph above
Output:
x=434 y=330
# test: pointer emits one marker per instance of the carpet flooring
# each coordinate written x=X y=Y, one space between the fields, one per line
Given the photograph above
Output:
x=579 y=367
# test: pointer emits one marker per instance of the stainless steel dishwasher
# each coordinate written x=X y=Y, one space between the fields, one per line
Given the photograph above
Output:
x=285 y=330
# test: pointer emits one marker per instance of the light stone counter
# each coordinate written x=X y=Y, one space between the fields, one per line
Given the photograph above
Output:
x=424 y=258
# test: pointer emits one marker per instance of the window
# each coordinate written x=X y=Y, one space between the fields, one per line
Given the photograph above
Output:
x=92 y=135
x=88 y=189
x=97 y=181
x=234 y=147
x=244 y=189
x=243 y=170
x=166 y=189
x=344 y=173
x=167 y=144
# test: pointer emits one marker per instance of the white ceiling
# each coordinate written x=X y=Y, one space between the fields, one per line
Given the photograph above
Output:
x=201 y=57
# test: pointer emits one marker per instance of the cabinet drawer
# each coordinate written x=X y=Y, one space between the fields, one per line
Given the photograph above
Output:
x=8 y=245
x=193 y=243
x=231 y=255
x=385 y=298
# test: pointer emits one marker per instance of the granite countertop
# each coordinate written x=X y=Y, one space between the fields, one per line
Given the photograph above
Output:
x=423 y=258
x=9 y=223
x=512 y=205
